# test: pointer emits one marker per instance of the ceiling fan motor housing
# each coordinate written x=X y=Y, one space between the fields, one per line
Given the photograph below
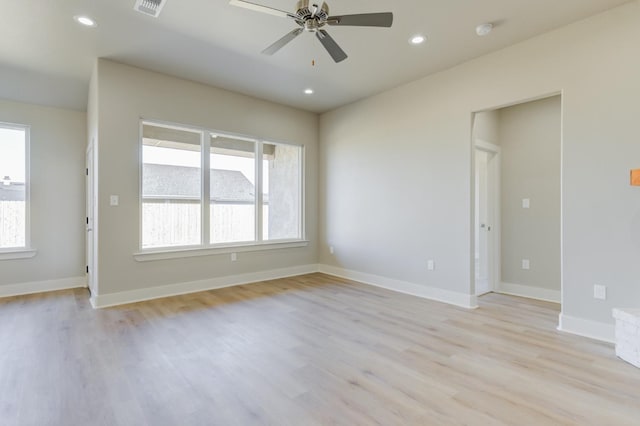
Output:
x=312 y=16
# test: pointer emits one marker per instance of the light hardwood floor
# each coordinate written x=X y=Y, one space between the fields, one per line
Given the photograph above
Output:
x=303 y=351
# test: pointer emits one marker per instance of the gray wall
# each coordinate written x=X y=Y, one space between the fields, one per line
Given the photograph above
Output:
x=57 y=193
x=529 y=136
x=127 y=94
x=396 y=183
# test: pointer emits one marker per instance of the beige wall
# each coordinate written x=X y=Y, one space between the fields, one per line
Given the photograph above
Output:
x=529 y=136
x=396 y=183
x=127 y=94
x=57 y=193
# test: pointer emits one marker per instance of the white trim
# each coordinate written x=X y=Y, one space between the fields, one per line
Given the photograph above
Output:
x=133 y=296
x=178 y=253
x=12 y=254
x=528 y=291
x=42 y=286
x=483 y=145
x=258 y=199
x=426 y=292
x=587 y=328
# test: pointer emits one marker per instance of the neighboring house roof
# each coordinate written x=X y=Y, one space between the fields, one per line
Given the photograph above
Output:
x=179 y=182
x=12 y=192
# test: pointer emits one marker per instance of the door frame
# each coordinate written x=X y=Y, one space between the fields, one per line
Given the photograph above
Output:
x=91 y=214
x=494 y=237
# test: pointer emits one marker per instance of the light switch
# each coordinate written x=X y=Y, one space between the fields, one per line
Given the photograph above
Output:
x=526 y=203
x=431 y=265
x=525 y=264
x=234 y=257
x=114 y=200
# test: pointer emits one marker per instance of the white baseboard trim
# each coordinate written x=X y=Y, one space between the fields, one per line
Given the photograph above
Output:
x=529 y=292
x=587 y=328
x=133 y=296
x=32 y=287
x=426 y=292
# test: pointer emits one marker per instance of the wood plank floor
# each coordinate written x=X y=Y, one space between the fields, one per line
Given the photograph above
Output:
x=303 y=351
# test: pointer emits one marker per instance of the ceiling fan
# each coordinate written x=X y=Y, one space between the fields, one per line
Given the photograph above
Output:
x=311 y=18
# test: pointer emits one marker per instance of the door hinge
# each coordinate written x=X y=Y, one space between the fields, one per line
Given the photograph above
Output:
x=87 y=269
x=87 y=171
x=87 y=220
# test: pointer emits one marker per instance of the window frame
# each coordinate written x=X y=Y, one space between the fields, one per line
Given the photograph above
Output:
x=26 y=251
x=206 y=248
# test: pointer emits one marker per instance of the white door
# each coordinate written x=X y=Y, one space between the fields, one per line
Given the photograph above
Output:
x=486 y=220
x=90 y=219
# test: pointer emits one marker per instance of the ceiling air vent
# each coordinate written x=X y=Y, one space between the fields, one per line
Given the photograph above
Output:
x=149 y=7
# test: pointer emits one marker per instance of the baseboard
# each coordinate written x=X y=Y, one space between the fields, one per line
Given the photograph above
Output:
x=426 y=292
x=42 y=286
x=133 y=296
x=529 y=292
x=587 y=328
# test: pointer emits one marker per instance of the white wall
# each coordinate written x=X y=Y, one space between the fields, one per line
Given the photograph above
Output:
x=127 y=94
x=395 y=186
x=57 y=194
x=529 y=136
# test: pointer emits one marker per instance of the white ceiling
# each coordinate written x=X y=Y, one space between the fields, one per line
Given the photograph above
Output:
x=46 y=58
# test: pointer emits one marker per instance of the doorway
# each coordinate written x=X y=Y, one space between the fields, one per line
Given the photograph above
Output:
x=516 y=200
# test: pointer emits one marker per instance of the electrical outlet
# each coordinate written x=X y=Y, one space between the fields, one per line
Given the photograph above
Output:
x=600 y=292
x=234 y=257
x=114 y=200
x=526 y=203
x=525 y=264
x=331 y=250
x=431 y=265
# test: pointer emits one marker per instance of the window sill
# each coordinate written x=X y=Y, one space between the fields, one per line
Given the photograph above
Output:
x=17 y=254
x=178 y=253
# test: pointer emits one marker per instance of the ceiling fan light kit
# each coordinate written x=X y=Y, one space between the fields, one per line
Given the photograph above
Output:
x=312 y=17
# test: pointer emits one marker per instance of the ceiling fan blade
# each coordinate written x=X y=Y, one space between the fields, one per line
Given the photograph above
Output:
x=282 y=42
x=363 y=20
x=332 y=47
x=260 y=8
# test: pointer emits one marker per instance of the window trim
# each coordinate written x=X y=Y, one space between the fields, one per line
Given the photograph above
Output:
x=205 y=248
x=26 y=251
x=180 y=252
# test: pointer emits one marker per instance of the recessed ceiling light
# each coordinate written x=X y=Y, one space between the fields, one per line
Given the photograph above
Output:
x=417 y=39
x=85 y=20
x=308 y=91
x=484 y=29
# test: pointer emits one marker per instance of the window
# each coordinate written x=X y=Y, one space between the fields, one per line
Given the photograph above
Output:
x=248 y=202
x=233 y=190
x=171 y=187
x=282 y=189
x=14 y=187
